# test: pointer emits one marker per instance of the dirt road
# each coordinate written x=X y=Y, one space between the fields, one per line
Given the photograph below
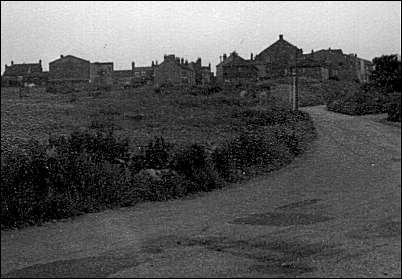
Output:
x=334 y=212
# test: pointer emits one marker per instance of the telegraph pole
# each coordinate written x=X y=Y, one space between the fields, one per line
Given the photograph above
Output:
x=295 y=86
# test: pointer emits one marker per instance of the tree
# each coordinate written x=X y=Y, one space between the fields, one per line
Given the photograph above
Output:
x=387 y=73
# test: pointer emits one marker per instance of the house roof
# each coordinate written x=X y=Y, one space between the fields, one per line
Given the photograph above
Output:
x=146 y=68
x=308 y=62
x=235 y=59
x=122 y=73
x=22 y=69
x=69 y=56
x=278 y=42
x=102 y=63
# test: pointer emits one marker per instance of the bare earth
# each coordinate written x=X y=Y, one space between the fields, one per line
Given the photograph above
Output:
x=333 y=212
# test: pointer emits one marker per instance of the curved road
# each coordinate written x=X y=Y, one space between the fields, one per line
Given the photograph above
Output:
x=334 y=212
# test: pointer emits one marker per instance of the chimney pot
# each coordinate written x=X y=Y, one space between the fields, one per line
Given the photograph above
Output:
x=280 y=36
x=61 y=56
x=251 y=56
x=12 y=62
x=133 y=64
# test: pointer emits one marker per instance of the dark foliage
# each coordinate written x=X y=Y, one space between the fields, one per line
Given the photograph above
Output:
x=92 y=169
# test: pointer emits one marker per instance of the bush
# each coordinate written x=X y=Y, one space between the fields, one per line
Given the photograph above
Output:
x=393 y=107
x=193 y=163
x=157 y=154
x=92 y=169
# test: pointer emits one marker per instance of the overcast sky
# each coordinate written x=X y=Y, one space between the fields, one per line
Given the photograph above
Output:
x=122 y=32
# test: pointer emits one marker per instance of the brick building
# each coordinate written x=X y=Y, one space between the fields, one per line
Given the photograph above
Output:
x=174 y=71
x=69 y=70
x=235 y=70
x=25 y=73
x=276 y=60
x=101 y=74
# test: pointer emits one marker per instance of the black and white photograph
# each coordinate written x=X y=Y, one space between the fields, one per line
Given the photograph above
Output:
x=201 y=139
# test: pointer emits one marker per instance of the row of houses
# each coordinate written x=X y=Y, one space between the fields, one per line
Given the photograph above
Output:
x=280 y=59
x=74 y=70
x=283 y=59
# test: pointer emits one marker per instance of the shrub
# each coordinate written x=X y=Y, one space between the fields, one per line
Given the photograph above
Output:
x=393 y=107
x=92 y=169
x=193 y=163
x=157 y=153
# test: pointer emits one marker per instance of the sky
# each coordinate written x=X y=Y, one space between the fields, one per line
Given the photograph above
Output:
x=122 y=32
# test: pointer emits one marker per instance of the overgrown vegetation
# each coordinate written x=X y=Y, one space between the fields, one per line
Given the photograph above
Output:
x=381 y=94
x=93 y=169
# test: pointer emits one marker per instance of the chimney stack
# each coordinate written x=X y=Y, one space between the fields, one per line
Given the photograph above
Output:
x=182 y=60
x=251 y=56
x=224 y=56
x=132 y=65
x=280 y=36
x=156 y=62
x=12 y=62
x=40 y=62
x=61 y=56
x=152 y=64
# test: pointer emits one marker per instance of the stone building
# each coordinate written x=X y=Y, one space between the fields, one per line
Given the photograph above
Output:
x=340 y=65
x=310 y=69
x=101 y=74
x=122 y=78
x=362 y=67
x=174 y=71
x=276 y=60
x=235 y=70
x=69 y=70
x=203 y=74
x=22 y=74
x=143 y=75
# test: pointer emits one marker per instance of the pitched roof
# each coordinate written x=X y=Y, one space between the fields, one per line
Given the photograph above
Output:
x=122 y=73
x=308 y=62
x=280 y=41
x=68 y=56
x=145 y=68
x=234 y=59
x=22 y=69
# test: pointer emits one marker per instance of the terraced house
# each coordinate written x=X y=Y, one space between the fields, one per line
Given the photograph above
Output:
x=203 y=74
x=22 y=74
x=277 y=59
x=174 y=71
x=101 y=74
x=145 y=74
x=235 y=70
x=70 y=70
x=343 y=66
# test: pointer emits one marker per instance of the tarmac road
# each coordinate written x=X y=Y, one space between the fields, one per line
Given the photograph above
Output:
x=334 y=212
